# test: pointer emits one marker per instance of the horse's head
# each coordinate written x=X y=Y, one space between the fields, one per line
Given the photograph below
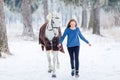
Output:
x=54 y=19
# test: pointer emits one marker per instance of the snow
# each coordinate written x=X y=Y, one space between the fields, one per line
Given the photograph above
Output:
x=28 y=62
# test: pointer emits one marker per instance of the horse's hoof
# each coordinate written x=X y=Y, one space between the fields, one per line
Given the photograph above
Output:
x=49 y=71
x=53 y=76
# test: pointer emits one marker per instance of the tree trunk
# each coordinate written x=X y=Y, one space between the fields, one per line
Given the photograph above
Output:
x=84 y=14
x=117 y=18
x=27 y=18
x=91 y=19
x=106 y=2
x=45 y=7
x=84 y=19
x=70 y=11
x=3 y=34
x=96 y=22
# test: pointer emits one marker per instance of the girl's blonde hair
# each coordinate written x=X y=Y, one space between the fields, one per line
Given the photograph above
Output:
x=72 y=20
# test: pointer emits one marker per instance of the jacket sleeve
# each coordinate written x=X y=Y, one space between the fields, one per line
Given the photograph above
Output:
x=82 y=37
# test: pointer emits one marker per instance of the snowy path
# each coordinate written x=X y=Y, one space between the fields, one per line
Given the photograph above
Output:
x=98 y=62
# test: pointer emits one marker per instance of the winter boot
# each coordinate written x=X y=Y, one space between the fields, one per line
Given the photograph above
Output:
x=77 y=74
x=72 y=72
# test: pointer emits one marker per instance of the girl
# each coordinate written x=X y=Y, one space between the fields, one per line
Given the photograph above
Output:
x=73 y=45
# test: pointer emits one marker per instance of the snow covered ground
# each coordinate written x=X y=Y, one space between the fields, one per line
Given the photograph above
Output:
x=101 y=61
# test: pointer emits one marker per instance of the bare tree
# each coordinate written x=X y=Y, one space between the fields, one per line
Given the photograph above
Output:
x=45 y=7
x=3 y=35
x=90 y=25
x=95 y=16
x=71 y=6
x=84 y=14
x=27 y=18
x=96 y=22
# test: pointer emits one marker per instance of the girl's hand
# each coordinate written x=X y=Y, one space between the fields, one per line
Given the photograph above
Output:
x=89 y=44
x=59 y=45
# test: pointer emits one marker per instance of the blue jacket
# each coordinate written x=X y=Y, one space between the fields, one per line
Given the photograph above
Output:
x=73 y=37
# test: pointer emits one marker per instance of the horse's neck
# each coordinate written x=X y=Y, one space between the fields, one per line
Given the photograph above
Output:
x=49 y=27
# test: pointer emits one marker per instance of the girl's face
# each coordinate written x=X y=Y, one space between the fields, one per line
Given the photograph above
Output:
x=72 y=24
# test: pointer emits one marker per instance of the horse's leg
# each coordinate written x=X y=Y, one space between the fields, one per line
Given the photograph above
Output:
x=58 y=63
x=55 y=53
x=49 y=61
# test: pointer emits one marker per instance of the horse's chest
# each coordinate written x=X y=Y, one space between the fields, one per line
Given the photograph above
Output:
x=51 y=33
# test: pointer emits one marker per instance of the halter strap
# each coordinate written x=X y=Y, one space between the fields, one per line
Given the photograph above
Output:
x=52 y=27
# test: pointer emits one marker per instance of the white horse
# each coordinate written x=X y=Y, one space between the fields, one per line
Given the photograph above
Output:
x=51 y=40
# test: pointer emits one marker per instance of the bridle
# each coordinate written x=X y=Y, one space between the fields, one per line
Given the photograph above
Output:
x=53 y=27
